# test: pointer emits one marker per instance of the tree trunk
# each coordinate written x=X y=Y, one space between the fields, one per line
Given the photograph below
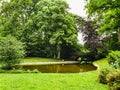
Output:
x=58 y=52
x=119 y=35
x=54 y=55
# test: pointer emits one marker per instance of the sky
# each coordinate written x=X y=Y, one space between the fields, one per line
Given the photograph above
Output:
x=77 y=7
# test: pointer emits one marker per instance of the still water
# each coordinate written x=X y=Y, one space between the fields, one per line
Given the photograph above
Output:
x=61 y=68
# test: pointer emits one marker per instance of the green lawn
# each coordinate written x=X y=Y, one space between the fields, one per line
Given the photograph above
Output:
x=39 y=60
x=103 y=63
x=53 y=81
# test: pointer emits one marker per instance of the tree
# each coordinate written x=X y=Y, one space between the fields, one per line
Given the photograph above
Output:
x=56 y=24
x=91 y=37
x=93 y=41
x=111 y=42
x=43 y=25
x=11 y=51
x=14 y=15
x=114 y=59
x=106 y=14
x=16 y=19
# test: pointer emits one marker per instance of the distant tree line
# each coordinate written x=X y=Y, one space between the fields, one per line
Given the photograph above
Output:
x=48 y=30
x=45 y=26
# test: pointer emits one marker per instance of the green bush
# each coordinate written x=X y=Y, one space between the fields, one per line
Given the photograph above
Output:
x=102 y=76
x=114 y=59
x=113 y=80
x=11 y=51
x=35 y=71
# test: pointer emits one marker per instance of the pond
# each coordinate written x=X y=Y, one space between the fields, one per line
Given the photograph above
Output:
x=60 y=68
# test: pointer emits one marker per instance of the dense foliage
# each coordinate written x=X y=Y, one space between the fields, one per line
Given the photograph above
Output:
x=45 y=26
x=110 y=77
x=106 y=15
x=92 y=41
x=114 y=59
x=102 y=76
x=11 y=51
x=113 y=79
x=49 y=30
x=56 y=24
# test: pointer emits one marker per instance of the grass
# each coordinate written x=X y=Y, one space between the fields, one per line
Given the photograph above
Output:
x=53 y=81
x=103 y=63
x=39 y=60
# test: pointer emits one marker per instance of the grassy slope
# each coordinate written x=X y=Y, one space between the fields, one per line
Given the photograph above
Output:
x=40 y=81
x=39 y=60
x=103 y=63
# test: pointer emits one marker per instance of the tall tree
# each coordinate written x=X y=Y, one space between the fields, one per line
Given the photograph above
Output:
x=17 y=19
x=56 y=24
x=91 y=37
x=92 y=41
x=106 y=13
x=44 y=25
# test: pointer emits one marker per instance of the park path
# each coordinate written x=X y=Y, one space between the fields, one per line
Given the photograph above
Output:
x=44 y=63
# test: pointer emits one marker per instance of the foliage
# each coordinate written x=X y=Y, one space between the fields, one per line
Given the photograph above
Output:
x=111 y=42
x=71 y=52
x=79 y=22
x=106 y=13
x=17 y=20
x=91 y=37
x=86 y=58
x=43 y=25
x=102 y=76
x=15 y=14
x=56 y=24
x=109 y=76
x=92 y=42
x=11 y=50
x=114 y=59
x=113 y=79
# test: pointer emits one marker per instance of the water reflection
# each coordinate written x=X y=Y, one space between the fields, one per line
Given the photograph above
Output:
x=61 y=68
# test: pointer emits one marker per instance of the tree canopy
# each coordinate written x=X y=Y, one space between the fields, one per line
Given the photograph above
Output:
x=106 y=14
x=45 y=26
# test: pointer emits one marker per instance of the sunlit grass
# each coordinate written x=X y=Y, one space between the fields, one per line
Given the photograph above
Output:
x=103 y=63
x=35 y=59
x=79 y=81
x=54 y=81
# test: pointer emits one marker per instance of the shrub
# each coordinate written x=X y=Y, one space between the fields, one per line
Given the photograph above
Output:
x=11 y=51
x=102 y=76
x=113 y=79
x=35 y=71
x=85 y=58
x=114 y=59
